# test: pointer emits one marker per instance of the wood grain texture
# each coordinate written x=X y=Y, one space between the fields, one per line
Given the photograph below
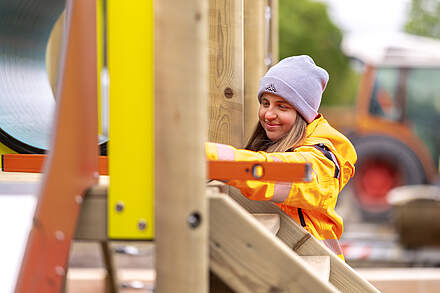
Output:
x=226 y=72
x=320 y=265
x=254 y=67
x=270 y=221
x=92 y=221
x=274 y=40
x=342 y=276
x=181 y=88
x=249 y=259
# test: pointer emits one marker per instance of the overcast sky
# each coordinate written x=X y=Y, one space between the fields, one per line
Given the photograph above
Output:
x=367 y=16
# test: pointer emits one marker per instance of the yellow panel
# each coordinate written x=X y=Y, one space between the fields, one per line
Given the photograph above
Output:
x=131 y=153
x=4 y=150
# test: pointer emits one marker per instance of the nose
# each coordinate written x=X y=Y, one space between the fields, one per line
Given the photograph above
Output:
x=270 y=115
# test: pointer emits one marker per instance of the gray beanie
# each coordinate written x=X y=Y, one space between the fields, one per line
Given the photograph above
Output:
x=299 y=81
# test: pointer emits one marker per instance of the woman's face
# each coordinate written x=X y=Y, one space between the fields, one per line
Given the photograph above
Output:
x=276 y=116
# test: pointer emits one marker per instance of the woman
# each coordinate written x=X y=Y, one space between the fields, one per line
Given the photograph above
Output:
x=291 y=130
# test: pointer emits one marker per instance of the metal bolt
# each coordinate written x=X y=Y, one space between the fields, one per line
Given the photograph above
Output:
x=194 y=220
x=228 y=93
x=78 y=199
x=142 y=225
x=59 y=235
x=59 y=270
x=119 y=206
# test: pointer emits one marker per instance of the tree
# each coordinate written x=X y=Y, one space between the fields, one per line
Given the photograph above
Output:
x=305 y=28
x=424 y=18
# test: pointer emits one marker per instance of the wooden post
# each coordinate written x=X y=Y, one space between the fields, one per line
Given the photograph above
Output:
x=274 y=31
x=254 y=67
x=226 y=71
x=181 y=91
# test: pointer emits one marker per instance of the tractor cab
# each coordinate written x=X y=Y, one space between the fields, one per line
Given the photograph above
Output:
x=397 y=115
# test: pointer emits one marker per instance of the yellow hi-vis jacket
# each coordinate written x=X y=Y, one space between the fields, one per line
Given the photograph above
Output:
x=311 y=204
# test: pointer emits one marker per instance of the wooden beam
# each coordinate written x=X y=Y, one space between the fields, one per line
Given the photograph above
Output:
x=226 y=71
x=92 y=221
x=181 y=91
x=342 y=276
x=274 y=39
x=254 y=67
x=249 y=258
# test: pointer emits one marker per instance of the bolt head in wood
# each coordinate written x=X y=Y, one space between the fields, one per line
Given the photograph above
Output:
x=194 y=220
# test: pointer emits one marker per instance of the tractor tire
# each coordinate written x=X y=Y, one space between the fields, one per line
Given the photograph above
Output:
x=383 y=163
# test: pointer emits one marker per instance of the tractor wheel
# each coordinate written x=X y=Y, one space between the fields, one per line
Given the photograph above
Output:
x=383 y=163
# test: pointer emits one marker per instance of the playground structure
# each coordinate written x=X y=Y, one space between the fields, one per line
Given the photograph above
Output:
x=201 y=49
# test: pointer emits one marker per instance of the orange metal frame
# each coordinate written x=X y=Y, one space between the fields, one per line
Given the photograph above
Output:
x=72 y=164
x=33 y=163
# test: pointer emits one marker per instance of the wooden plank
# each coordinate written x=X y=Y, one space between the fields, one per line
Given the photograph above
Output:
x=320 y=265
x=14 y=177
x=226 y=72
x=19 y=177
x=249 y=259
x=342 y=276
x=396 y=280
x=92 y=221
x=181 y=91
x=274 y=39
x=270 y=221
x=254 y=67
x=92 y=280
x=86 y=280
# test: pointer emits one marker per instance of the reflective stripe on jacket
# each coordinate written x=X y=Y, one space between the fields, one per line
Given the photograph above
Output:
x=316 y=199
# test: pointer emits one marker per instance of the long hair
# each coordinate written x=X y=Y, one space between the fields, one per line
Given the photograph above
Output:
x=260 y=142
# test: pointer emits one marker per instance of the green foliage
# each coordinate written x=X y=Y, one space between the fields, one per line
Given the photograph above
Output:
x=424 y=18
x=305 y=28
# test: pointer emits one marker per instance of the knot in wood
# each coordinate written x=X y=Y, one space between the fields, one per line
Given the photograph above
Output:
x=228 y=93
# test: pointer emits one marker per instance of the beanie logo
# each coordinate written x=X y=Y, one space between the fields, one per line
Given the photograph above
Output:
x=271 y=88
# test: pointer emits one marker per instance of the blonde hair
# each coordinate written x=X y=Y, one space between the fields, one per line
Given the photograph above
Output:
x=260 y=142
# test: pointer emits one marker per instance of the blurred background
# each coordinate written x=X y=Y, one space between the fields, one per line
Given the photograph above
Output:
x=383 y=93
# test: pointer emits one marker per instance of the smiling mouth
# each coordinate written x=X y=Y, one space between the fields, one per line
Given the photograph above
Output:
x=272 y=126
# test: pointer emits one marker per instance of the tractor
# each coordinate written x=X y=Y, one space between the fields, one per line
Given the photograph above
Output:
x=395 y=124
